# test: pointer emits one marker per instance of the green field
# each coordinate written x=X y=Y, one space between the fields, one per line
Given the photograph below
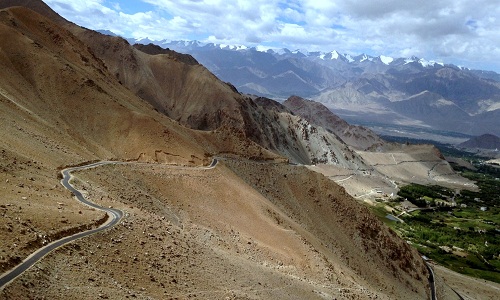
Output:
x=463 y=231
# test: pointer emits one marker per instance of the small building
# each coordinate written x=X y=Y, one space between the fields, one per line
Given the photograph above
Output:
x=484 y=208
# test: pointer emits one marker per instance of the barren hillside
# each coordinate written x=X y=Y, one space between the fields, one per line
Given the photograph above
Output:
x=253 y=227
x=355 y=136
x=60 y=107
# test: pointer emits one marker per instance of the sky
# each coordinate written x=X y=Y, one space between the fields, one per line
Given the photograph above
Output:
x=462 y=32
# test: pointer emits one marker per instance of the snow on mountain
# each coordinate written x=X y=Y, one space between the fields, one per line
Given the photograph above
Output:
x=423 y=62
x=349 y=58
x=429 y=63
x=410 y=60
x=386 y=59
x=329 y=55
x=280 y=51
x=143 y=40
x=333 y=55
x=231 y=47
x=301 y=52
x=365 y=57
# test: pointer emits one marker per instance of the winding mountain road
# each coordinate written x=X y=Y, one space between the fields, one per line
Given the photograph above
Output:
x=431 y=281
x=114 y=214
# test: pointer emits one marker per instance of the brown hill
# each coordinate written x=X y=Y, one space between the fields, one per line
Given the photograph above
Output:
x=359 y=137
x=188 y=93
x=302 y=141
x=57 y=83
x=257 y=230
x=270 y=104
x=60 y=106
x=340 y=221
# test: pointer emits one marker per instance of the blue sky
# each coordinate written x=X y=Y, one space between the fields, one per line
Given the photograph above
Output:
x=466 y=33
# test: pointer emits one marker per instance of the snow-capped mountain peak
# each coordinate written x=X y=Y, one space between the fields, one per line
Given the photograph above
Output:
x=363 y=57
x=386 y=59
x=335 y=54
x=349 y=58
x=186 y=46
x=231 y=47
x=429 y=63
x=410 y=60
x=423 y=62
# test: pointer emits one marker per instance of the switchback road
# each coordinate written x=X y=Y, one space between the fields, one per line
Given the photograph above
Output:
x=114 y=214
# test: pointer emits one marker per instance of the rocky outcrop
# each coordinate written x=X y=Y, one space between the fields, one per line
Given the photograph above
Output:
x=316 y=113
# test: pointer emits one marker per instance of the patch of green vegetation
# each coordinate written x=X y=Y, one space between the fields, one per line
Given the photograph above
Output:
x=465 y=237
x=380 y=211
x=423 y=196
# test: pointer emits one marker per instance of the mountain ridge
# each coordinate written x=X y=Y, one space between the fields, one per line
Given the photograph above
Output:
x=485 y=141
x=188 y=45
x=374 y=82
x=357 y=137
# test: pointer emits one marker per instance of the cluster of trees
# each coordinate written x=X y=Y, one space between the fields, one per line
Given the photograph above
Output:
x=417 y=194
x=489 y=192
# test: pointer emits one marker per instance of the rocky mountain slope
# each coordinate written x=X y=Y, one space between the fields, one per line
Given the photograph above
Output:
x=177 y=86
x=357 y=137
x=366 y=88
x=252 y=228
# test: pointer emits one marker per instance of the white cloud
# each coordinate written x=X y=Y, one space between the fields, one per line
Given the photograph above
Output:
x=456 y=31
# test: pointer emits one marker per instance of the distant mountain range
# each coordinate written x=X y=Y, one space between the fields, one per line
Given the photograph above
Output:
x=485 y=141
x=362 y=89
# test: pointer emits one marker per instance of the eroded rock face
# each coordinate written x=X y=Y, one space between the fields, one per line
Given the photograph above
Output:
x=319 y=115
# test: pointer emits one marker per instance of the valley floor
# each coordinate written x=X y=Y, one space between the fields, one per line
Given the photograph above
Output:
x=390 y=170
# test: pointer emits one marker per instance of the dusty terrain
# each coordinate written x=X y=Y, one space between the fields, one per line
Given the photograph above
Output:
x=252 y=228
x=391 y=168
x=469 y=288
x=206 y=233
x=494 y=161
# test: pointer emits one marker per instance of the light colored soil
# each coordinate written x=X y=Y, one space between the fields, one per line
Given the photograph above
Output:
x=468 y=287
x=494 y=161
x=391 y=169
x=197 y=233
